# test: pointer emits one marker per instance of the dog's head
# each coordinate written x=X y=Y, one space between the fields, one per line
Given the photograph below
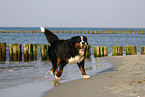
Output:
x=80 y=42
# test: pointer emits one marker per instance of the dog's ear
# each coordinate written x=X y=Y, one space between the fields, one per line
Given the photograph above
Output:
x=71 y=41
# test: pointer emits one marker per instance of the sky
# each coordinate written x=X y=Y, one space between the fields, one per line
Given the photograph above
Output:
x=73 y=13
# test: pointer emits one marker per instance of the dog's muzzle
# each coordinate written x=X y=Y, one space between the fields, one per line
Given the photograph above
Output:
x=83 y=45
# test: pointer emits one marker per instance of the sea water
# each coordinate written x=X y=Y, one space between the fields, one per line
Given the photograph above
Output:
x=29 y=78
x=32 y=79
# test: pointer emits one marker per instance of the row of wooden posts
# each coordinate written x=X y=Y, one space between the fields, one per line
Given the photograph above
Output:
x=80 y=32
x=100 y=51
x=30 y=51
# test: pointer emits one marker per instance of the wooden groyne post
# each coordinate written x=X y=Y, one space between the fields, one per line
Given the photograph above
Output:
x=88 y=52
x=44 y=52
x=142 y=50
x=15 y=52
x=117 y=50
x=100 y=51
x=2 y=51
x=105 y=51
x=30 y=52
x=131 y=50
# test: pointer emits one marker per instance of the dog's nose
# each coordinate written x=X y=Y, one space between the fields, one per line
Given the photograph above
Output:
x=83 y=43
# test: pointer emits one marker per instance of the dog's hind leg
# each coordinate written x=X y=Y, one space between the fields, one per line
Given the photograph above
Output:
x=61 y=65
x=59 y=72
x=81 y=67
x=54 y=67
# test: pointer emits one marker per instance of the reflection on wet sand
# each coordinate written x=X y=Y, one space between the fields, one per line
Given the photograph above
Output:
x=55 y=82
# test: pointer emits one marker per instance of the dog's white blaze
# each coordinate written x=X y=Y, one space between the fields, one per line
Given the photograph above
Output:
x=82 y=38
x=77 y=58
x=42 y=29
x=82 y=41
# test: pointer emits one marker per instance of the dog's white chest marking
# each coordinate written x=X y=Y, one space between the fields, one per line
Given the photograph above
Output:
x=77 y=58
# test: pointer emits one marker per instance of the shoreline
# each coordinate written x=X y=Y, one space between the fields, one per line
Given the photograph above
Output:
x=125 y=79
x=46 y=84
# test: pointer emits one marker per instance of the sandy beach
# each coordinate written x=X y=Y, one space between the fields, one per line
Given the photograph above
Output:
x=125 y=79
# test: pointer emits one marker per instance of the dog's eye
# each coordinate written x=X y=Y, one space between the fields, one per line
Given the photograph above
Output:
x=78 y=46
x=84 y=38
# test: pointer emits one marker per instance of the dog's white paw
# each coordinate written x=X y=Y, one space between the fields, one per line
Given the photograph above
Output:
x=42 y=29
x=86 y=76
x=57 y=78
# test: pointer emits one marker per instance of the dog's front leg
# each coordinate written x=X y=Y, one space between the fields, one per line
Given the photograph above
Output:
x=81 y=67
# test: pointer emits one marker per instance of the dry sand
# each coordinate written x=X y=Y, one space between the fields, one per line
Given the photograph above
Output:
x=127 y=79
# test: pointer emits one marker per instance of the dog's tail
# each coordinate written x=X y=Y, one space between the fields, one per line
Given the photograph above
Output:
x=49 y=35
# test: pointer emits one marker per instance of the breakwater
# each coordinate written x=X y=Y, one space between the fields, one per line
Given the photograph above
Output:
x=96 y=37
x=29 y=51
x=104 y=31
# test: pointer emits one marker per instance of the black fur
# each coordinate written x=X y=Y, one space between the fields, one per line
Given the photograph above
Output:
x=60 y=51
x=50 y=36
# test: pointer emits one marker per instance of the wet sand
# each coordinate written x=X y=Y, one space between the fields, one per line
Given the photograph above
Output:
x=125 y=79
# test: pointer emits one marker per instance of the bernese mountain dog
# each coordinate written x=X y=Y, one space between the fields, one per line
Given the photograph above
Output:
x=62 y=52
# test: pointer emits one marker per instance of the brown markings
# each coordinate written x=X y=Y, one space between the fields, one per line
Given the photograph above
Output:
x=59 y=73
x=67 y=60
x=58 y=61
x=78 y=46
x=83 y=73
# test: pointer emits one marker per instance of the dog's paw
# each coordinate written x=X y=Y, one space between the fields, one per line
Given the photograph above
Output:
x=57 y=78
x=86 y=76
x=42 y=29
